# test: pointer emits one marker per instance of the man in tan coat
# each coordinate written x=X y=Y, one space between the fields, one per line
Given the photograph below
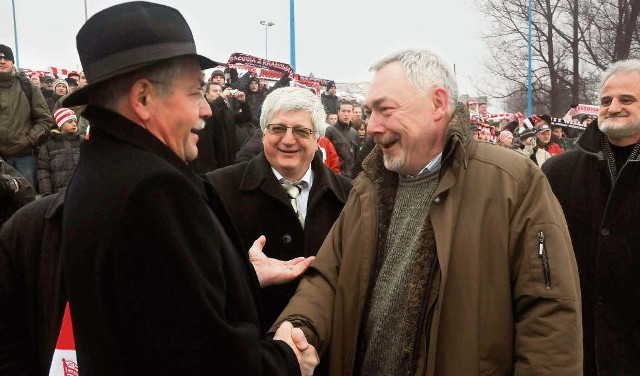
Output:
x=451 y=257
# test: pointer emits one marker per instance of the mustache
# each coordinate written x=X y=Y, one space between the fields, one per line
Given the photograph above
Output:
x=198 y=126
x=385 y=141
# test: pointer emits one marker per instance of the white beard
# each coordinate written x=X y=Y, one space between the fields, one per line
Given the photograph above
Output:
x=616 y=130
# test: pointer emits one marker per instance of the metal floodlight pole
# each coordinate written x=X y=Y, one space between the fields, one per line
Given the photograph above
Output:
x=529 y=74
x=266 y=25
x=292 y=34
x=15 y=34
x=85 y=11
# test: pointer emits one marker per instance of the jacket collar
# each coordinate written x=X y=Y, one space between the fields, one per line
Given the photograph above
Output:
x=589 y=141
x=110 y=124
x=258 y=175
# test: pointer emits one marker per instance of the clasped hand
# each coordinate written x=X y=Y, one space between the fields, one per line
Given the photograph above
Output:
x=305 y=352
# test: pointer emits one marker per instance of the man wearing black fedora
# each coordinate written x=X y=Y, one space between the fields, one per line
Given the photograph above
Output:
x=155 y=286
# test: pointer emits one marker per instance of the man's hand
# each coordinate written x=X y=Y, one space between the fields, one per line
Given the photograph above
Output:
x=295 y=338
x=241 y=96
x=272 y=271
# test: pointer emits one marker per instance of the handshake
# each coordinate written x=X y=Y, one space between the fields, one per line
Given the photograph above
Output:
x=295 y=338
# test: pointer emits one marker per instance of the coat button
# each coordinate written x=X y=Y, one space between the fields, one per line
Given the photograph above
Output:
x=604 y=231
x=600 y=301
x=436 y=200
x=286 y=239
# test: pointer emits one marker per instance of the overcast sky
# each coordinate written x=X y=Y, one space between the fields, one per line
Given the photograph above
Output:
x=335 y=39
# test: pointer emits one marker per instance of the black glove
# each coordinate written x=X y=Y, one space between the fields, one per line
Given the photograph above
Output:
x=8 y=186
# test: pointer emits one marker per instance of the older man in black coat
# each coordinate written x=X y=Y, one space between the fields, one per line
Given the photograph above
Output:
x=155 y=286
x=252 y=196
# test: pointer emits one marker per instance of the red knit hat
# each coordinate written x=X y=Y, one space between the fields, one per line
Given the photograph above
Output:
x=504 y=135
x=63 y=115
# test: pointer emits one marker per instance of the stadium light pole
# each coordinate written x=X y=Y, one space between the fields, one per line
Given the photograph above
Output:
x=292 y=34
x=15 y=34
x=529 y=74
x=266 y=25
x=85 y=11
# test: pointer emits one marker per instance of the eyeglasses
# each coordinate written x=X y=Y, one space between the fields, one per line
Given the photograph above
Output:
x=281 y=130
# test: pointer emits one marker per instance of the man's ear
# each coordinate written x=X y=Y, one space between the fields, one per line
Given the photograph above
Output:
x=440 y=101
x=141 y=94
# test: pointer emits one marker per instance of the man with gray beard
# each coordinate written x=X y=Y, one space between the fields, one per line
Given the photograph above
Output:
x=451 y=257
x=597 y=185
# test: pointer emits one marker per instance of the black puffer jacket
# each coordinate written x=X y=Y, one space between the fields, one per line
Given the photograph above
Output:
x=57 y=160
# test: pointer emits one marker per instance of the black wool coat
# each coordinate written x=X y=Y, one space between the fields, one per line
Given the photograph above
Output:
x=254 y=203
x=603 y=222
x=32 y=294
x=155 y=286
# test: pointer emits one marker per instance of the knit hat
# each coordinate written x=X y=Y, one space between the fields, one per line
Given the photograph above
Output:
x=59 y=82
x=504 y=135
x=526 y=133
x=471 y=101
x=6 y=52
x=44 y=79
x=217 y=72
x=63 y=115
x=254 y=79
x=330 y=84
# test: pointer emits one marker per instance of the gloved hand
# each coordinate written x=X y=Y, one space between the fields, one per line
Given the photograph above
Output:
x=8 y=186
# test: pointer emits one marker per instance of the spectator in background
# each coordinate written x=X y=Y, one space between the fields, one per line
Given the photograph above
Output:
x=482 y=110
x=60 y=89
x=565 y=143
x=83 y=124
x=255 y=95
x=357 y=112
x=528 y=147
x=47 y=86
x=217 y=77
x=345 y=139
x=253 y=195
x=472 y=105
x=597 y=185
x=59 y=155
x=25 y=120
x=332 y=119
x=329 y=99
x=505 y=138
x=72 y=84
x=15 y=190
x=543 y=139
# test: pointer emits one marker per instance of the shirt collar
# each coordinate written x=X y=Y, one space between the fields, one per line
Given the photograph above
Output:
x=432 y=166
x=307 y=177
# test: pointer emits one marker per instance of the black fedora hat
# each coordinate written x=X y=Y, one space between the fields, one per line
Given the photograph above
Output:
x=129 y=36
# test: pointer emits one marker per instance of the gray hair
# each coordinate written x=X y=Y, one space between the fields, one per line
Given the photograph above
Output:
x=425 y=70
x=629 y=65
x=291 y=99
x=163 y=74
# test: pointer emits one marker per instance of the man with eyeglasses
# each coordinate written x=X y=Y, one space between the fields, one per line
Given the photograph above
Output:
x=253 y=198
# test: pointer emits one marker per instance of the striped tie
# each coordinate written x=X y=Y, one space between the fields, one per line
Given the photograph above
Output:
x=293 y=190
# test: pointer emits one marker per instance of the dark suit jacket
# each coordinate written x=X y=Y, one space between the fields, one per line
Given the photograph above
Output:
x=155 y=286
x=256 y=204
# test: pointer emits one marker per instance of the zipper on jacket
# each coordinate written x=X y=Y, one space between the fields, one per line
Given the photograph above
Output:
x=425 y=318
x=542 y=254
